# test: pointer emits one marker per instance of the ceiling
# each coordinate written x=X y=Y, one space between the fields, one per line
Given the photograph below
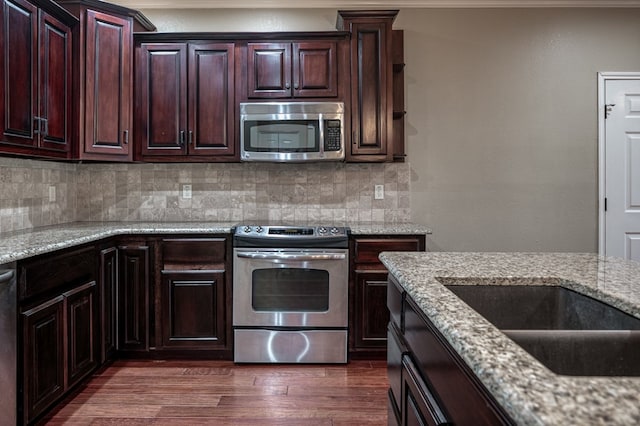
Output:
x=374 y=4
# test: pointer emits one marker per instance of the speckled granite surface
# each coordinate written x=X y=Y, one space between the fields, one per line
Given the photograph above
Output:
x=529 y=392
x=23 y=244
x=386 y=228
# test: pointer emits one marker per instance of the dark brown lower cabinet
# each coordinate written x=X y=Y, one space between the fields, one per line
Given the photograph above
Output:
x=435 y=386
x=419 y=405
x=83 y=353
x=193 y=296
x=60 y=336
x=396 y=350
x=133 y=297
x=193 y=309
x=43 y=364
x=108 y=277
x=368 y=313
x=370 y=328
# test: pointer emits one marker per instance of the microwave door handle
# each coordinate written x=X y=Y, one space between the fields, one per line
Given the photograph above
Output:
x=321 y=147
x=292 y=256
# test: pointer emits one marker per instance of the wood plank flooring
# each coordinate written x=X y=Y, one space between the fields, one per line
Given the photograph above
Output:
x=149 y=392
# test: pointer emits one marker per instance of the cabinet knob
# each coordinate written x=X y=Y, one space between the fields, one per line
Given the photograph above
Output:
x=126 y=136
x=182 y=135
x=287 y=86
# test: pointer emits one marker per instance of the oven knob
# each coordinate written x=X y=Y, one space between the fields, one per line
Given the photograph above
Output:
x=259 y=229
x=247 y=229
x=335 y=230
x=322 y=230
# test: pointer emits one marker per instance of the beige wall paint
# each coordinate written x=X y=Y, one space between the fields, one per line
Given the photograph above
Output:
x=502 y=117
x=502 y=122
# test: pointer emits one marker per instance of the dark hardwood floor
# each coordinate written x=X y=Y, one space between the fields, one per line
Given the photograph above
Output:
x=136 y=392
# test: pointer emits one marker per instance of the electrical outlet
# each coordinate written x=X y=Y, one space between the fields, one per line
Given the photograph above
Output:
x=186 y=191
x=378 y=193
x=52 y=193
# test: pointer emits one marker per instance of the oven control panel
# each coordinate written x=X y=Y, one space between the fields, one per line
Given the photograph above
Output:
x=292 y=232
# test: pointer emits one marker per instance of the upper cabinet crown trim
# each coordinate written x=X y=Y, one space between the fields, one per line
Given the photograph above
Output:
x=120 y=8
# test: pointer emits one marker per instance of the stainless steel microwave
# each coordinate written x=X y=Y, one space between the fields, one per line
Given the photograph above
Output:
x=292 y=131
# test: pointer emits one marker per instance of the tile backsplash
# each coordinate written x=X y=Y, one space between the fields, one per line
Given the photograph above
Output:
x=220 y=192
x=36 y=193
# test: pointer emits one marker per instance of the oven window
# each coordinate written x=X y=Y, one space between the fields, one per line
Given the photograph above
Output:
x=282 y=136
x=290 y=290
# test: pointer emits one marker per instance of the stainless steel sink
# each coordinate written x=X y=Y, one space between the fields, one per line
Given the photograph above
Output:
x=570 y=333
x=583 y=352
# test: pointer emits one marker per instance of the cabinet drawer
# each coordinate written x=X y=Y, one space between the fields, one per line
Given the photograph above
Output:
x=367 y=250
x=419 y=404
x=193 y=253
x=462 y=395
x=396 y=349
x=47 y=272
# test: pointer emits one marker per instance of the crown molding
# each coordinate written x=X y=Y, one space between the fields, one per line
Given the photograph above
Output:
x=372 y=4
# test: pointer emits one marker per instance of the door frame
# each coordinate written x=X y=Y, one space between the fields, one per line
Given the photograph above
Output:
x=602 y=79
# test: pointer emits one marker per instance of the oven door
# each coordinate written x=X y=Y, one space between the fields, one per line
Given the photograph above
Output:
x=296 y=288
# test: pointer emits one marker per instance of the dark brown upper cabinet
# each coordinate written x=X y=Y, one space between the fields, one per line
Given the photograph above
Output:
x=185 y=102
x=282 y=70
x=103 y=50
x=35 y=72
x=371 y=83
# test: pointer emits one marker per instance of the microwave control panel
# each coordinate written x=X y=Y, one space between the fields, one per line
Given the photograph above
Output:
x=332 y=135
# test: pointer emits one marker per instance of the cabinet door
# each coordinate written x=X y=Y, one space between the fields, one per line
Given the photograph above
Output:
x=162 y=96
x=193 y=309
x=19 y=84
x=368 y=312
x=82 y=331
x=315 y=69
x=43 y=372
x=133 y=298
x=55 y=84
x=211 y=101
x=269 y=70
x=372 y=314
x=371 y=100
x=108 y=293
x=108 y=84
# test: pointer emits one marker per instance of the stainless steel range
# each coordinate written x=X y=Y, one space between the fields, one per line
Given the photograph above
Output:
x=290 y=294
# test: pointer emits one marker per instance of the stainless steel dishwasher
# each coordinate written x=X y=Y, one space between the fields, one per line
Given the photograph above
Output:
x=8 y=349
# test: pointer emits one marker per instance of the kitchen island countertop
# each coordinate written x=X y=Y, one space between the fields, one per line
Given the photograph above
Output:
x=529 y=392
x=23 y=244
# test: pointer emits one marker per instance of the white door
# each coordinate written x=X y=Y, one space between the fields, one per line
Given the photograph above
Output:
x=622 y=168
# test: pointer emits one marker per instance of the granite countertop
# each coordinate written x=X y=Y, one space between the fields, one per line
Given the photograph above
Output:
x=529 y=392
x=23 y=244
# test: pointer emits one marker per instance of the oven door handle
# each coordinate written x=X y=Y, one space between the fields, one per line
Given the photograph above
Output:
x=291 y=256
